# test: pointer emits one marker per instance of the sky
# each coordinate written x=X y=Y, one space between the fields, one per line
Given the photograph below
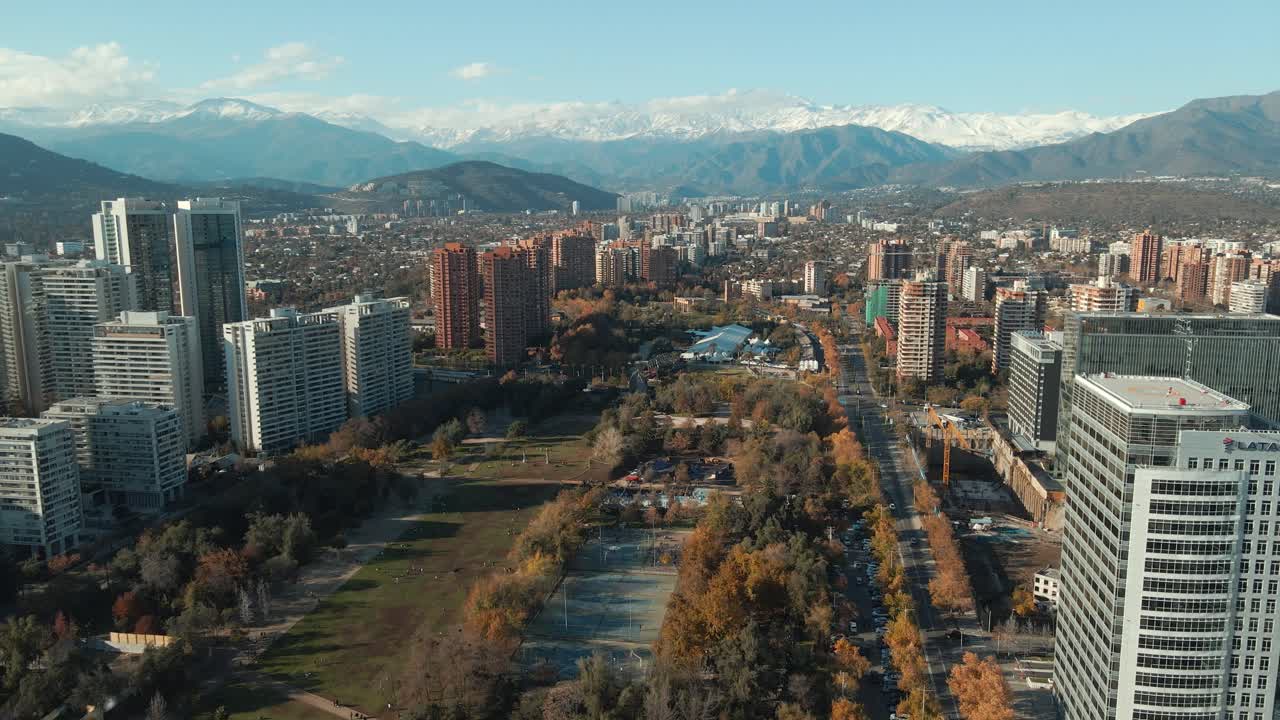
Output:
x=379 y=58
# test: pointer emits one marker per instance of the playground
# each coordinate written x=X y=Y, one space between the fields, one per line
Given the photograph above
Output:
x=611 y=601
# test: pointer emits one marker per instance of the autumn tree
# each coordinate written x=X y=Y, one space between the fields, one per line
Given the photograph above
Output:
x=842 y=709
x=980 y=689
x=849 y=659
x=1024 y=602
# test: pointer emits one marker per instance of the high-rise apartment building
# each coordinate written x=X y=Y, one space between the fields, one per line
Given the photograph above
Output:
x=1144 y=258
x=958 y=258
x=922 y=318
x=1225 y=269
x=138 y=234
x=39 y=486
x=1161 y=576
x=974 y=286
x=574 y=258
x=615 y=265
x=1103 y=295
x=536 y=253
x=506 y=287
x=285 y=382
x=132 y=452
x=1193 y=280
x=1111 y=264
x=153 y=357
x=1018 y=308
x=455 y=291
x=1249 y=297
x=815 y=278
x=47 y=312
x=1035 y=368
x=377 y=354
x=881 y=299
x=210 y=255
x=888 y=260
x=1237 y=355
x=664 y=265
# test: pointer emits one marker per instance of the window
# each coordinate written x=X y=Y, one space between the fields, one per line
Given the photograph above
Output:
x=1193 y=464
x=1254 y=465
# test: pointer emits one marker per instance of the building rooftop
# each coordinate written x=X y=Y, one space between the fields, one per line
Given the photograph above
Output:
x=1162 y=394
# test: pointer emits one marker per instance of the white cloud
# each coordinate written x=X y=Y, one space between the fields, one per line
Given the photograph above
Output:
x=282 y=62
x=474 y=71
x=90 y=73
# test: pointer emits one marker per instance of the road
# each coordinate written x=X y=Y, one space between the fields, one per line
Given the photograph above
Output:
x=869 y=417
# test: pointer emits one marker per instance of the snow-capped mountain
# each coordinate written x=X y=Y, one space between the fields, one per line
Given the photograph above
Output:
x=699 y=117
x=475 y=124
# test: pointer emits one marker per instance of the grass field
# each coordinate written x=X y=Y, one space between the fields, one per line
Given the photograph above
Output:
x=352 y=646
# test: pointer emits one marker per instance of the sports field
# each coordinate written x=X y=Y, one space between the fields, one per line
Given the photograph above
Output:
x=611 y=601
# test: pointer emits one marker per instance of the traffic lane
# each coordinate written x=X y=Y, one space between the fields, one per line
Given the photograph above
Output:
x=858 y=590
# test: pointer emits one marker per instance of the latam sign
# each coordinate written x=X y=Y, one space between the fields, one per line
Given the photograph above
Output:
x=1263 y=446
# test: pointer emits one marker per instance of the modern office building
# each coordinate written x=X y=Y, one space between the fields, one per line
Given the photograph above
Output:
x=39 y=486
x=1103 y=295
x=138 y=234
x=1144 y=258
x=1249 y=297
x=24 y=349
x=153 y=357
x=1035 y=367
x=132 y=452
x=1168 y=587
x=922 y=317
x=455 y=292
x=506 y=289
x=1018 y=308
x=888 y=260
x=210 y=255
x=815 y=278
x=1238 y=355
x=285 y=382
x=377 y=353
x=574 y=258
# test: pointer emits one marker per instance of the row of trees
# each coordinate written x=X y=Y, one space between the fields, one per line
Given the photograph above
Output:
x=951 y=589
x=980 y=689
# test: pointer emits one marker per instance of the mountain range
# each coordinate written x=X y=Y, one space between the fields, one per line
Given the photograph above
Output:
x=485 y=185
x=746 y=144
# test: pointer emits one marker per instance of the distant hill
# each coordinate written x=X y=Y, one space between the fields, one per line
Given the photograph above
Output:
x=488 y=186
x=30 y=172
x=1218 y=136
x=1155 y=203
x=222 y=139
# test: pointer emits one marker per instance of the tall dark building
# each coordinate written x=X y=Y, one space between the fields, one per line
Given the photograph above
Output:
x=1238 y=355
x=574 y=258
x=455 y=294
x=541 y=285
x=1145 y=258
x=888 y=260
x=138 y=234
x=210 y=254
x=663 y=265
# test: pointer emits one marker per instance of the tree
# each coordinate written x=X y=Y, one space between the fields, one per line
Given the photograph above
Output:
x=218 y=576
x=850 y=660
x=980 y=689
x=158 y=709
x=517 y=429
x=1024 y=602
x=127 y=609
x=162 y=573
x=21 y=641
x=842 y=709
x=440 y=448
x=608 y=447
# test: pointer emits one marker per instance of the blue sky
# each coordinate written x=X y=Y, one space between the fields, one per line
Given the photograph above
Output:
x=1101 y=57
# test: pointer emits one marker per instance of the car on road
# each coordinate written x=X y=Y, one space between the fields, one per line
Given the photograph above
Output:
x=893 y=506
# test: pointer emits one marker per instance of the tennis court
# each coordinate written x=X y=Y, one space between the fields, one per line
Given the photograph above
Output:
x=611 y=601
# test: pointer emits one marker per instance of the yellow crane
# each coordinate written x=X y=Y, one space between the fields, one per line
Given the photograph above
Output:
x=950 y=435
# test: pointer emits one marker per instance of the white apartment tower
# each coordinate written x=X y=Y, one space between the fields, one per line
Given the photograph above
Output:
x=210 y=255
x=284 y=380
x=153 y=357
x=815 y=278
x=974 y=287
x=1169 y=577
x=377 y=355
x=39 y=486
x=922 y=317
x=1103 y=295
x=1249 y=297
x=132 y=452
x=138 y=234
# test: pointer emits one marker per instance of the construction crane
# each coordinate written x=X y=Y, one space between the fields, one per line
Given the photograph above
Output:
x=950 y=435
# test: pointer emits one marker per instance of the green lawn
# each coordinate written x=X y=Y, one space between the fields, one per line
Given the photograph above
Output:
x=354 y=642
